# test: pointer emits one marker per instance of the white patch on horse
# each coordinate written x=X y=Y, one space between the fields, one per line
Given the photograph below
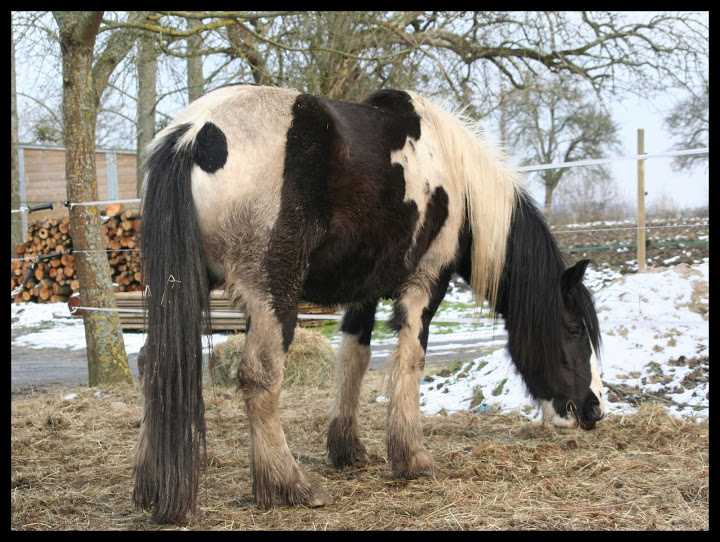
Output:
x=478 y=172
x=255 y=122
x=596 y=384
x=424 y=171
x=550 y=415
x=351 y=362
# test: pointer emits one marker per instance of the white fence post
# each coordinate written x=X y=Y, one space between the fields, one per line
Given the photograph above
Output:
x=641 y=202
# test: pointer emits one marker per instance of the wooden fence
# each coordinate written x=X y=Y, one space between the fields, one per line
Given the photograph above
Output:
x=42 y=178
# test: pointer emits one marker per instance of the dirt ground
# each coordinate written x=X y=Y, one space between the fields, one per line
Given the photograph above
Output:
x=71 y=469
x=676 y=241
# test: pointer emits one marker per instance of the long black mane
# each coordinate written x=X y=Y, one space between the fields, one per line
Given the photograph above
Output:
x=530 y=296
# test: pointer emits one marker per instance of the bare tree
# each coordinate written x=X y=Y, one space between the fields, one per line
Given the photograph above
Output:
x=39 y=97
x=16 y=234
x=585 y=195
x=461 y=56
x=554 y=121
x=689 y=124
x=468 y=53
x=83 y=84
x=196 y=80
x=243 y=46
x=146 y=64
x=347 y=55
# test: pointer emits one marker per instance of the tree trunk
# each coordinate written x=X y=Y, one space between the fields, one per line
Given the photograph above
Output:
x=551 y=178
x=196 y=80
x=547 y=207
x=245 y=45
x=147 y=62
x=107 y=360
x=16 y=223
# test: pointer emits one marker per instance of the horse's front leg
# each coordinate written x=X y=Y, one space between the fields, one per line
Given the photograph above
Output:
x=277 y=478
x=351 y=363
x=411 y=319
x=407 y=455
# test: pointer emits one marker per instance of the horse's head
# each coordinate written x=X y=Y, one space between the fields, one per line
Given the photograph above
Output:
x=554 y=338
x=571 y=392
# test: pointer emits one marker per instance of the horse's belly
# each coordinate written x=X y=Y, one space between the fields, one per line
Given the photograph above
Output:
x=366 y=271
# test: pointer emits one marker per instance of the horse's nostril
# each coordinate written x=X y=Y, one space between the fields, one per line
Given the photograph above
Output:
x=592 y=410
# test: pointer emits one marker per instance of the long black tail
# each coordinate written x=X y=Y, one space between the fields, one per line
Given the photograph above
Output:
x=171 y=446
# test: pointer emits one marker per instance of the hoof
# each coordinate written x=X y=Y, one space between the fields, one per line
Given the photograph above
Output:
x=343 y=445
x=354 y=454
x=319 y=498
x=306 y=491
x=186 y=519
x=419 y=465
x=198 y=516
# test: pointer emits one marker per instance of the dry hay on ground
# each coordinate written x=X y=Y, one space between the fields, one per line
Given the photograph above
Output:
x=309 y=361
x=71 y=468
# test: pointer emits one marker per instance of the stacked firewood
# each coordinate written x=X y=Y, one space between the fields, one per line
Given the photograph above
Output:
x=122 y=237
x=43 y=269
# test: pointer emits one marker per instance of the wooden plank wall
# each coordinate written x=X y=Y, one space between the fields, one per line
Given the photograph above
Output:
x=45 y=179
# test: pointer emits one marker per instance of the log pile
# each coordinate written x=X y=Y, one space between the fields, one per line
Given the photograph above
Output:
x=47 y=266
x=122 y=237
x=44 y=264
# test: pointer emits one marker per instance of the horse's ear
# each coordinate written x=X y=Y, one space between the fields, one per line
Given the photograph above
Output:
x=573 y=275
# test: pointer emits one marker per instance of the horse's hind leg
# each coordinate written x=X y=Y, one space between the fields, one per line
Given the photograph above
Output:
x=413 y=312
x=277 y=478
x=353 y=357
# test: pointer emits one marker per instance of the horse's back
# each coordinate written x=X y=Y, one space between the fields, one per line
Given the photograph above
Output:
x=370 y=227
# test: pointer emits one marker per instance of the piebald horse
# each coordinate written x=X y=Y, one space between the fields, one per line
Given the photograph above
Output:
x=283 y=196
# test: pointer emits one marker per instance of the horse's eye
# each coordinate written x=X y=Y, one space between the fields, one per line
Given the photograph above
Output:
x=574 y=330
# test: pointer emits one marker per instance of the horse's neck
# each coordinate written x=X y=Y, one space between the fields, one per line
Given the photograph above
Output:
x=533 y=263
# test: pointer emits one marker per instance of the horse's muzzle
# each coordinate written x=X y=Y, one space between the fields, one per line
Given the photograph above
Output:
x=591 y=413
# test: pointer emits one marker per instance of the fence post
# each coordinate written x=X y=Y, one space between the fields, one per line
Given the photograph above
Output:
x=641 y=201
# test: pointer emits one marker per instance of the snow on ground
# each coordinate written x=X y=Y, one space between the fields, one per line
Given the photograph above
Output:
x=653 y=325
x=655 y=328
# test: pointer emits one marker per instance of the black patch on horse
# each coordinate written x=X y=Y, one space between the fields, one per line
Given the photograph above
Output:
x=437 y=294
x=304 y=208
x=210 y=150
x=360 y=321
x=363 y=256
x=436 y=214
x=406 y=118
